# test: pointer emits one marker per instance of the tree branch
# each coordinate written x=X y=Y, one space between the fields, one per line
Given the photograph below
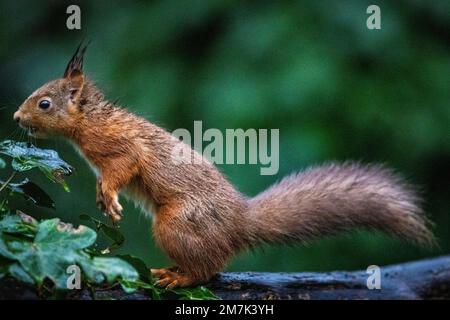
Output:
x=425 y=279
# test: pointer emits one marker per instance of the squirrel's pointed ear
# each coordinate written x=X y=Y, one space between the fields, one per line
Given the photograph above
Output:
x=74 y=74
x=76 y=84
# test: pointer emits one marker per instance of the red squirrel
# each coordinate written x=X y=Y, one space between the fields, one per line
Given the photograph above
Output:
x=200 y=220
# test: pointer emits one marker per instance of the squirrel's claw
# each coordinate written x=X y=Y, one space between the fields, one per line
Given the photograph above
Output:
x=108 y=204
x=159 y=273
x=114 y=211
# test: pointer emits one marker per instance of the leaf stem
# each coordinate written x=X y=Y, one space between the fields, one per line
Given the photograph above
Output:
x=8 y=180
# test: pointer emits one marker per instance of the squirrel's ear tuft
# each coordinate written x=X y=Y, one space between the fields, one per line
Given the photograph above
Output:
x=75 y=65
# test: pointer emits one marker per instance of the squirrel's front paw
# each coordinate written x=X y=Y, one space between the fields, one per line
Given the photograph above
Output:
x=110 y=206
x=114 y=211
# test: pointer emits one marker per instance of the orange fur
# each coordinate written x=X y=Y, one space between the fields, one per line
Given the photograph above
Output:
x=200 y=219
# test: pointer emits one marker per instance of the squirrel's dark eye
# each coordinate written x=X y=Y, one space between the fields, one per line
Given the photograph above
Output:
x=44 y=104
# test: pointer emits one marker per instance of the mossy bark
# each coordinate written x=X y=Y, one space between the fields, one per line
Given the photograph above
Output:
x=425 y=279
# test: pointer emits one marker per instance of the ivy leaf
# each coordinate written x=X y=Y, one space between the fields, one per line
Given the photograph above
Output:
x=33 y=251
x=145 y=278
x=132 y=286
x=31 y=192
x=111 y=232
x=4 y=265
x=140 y=266
x=20 y=224
x=2 y=163
x=197 y=293
x=26 y=157
x=4 y=252
x=146 y=282
x=16 y=271
x=101 y=269
x=55 y=247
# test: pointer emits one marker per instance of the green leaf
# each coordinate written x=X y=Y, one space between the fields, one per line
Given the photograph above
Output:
x=31 y=192
x=140 y=266
x=53 y=247
x=197 y=293
x=2 y=163
x=21 y=224
x=26 y=157
x=33 y=251
x=4 y=251
x=4 y=266
x=132 y=286
x=146 y=282
x=16 y=271
x=111 y=232
x=101 y=269
x=145 y=278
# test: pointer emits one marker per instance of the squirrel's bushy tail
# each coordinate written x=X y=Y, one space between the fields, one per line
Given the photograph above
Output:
x=337 y=197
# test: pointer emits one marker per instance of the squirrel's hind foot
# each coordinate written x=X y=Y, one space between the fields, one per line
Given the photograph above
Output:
x=171 y=278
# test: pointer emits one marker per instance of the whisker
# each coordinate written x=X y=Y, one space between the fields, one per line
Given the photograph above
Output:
x=17 y=134
x=22 y=132
x=35 y=141
x=12 y=134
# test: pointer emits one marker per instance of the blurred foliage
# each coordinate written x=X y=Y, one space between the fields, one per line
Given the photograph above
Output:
x=335 y=89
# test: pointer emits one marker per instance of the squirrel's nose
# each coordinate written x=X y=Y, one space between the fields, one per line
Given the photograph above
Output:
x=16 y=116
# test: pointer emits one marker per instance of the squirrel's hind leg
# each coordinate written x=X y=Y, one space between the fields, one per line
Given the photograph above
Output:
x=198 y=252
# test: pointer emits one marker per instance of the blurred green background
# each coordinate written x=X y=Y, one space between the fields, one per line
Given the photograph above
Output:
x=335 y=89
